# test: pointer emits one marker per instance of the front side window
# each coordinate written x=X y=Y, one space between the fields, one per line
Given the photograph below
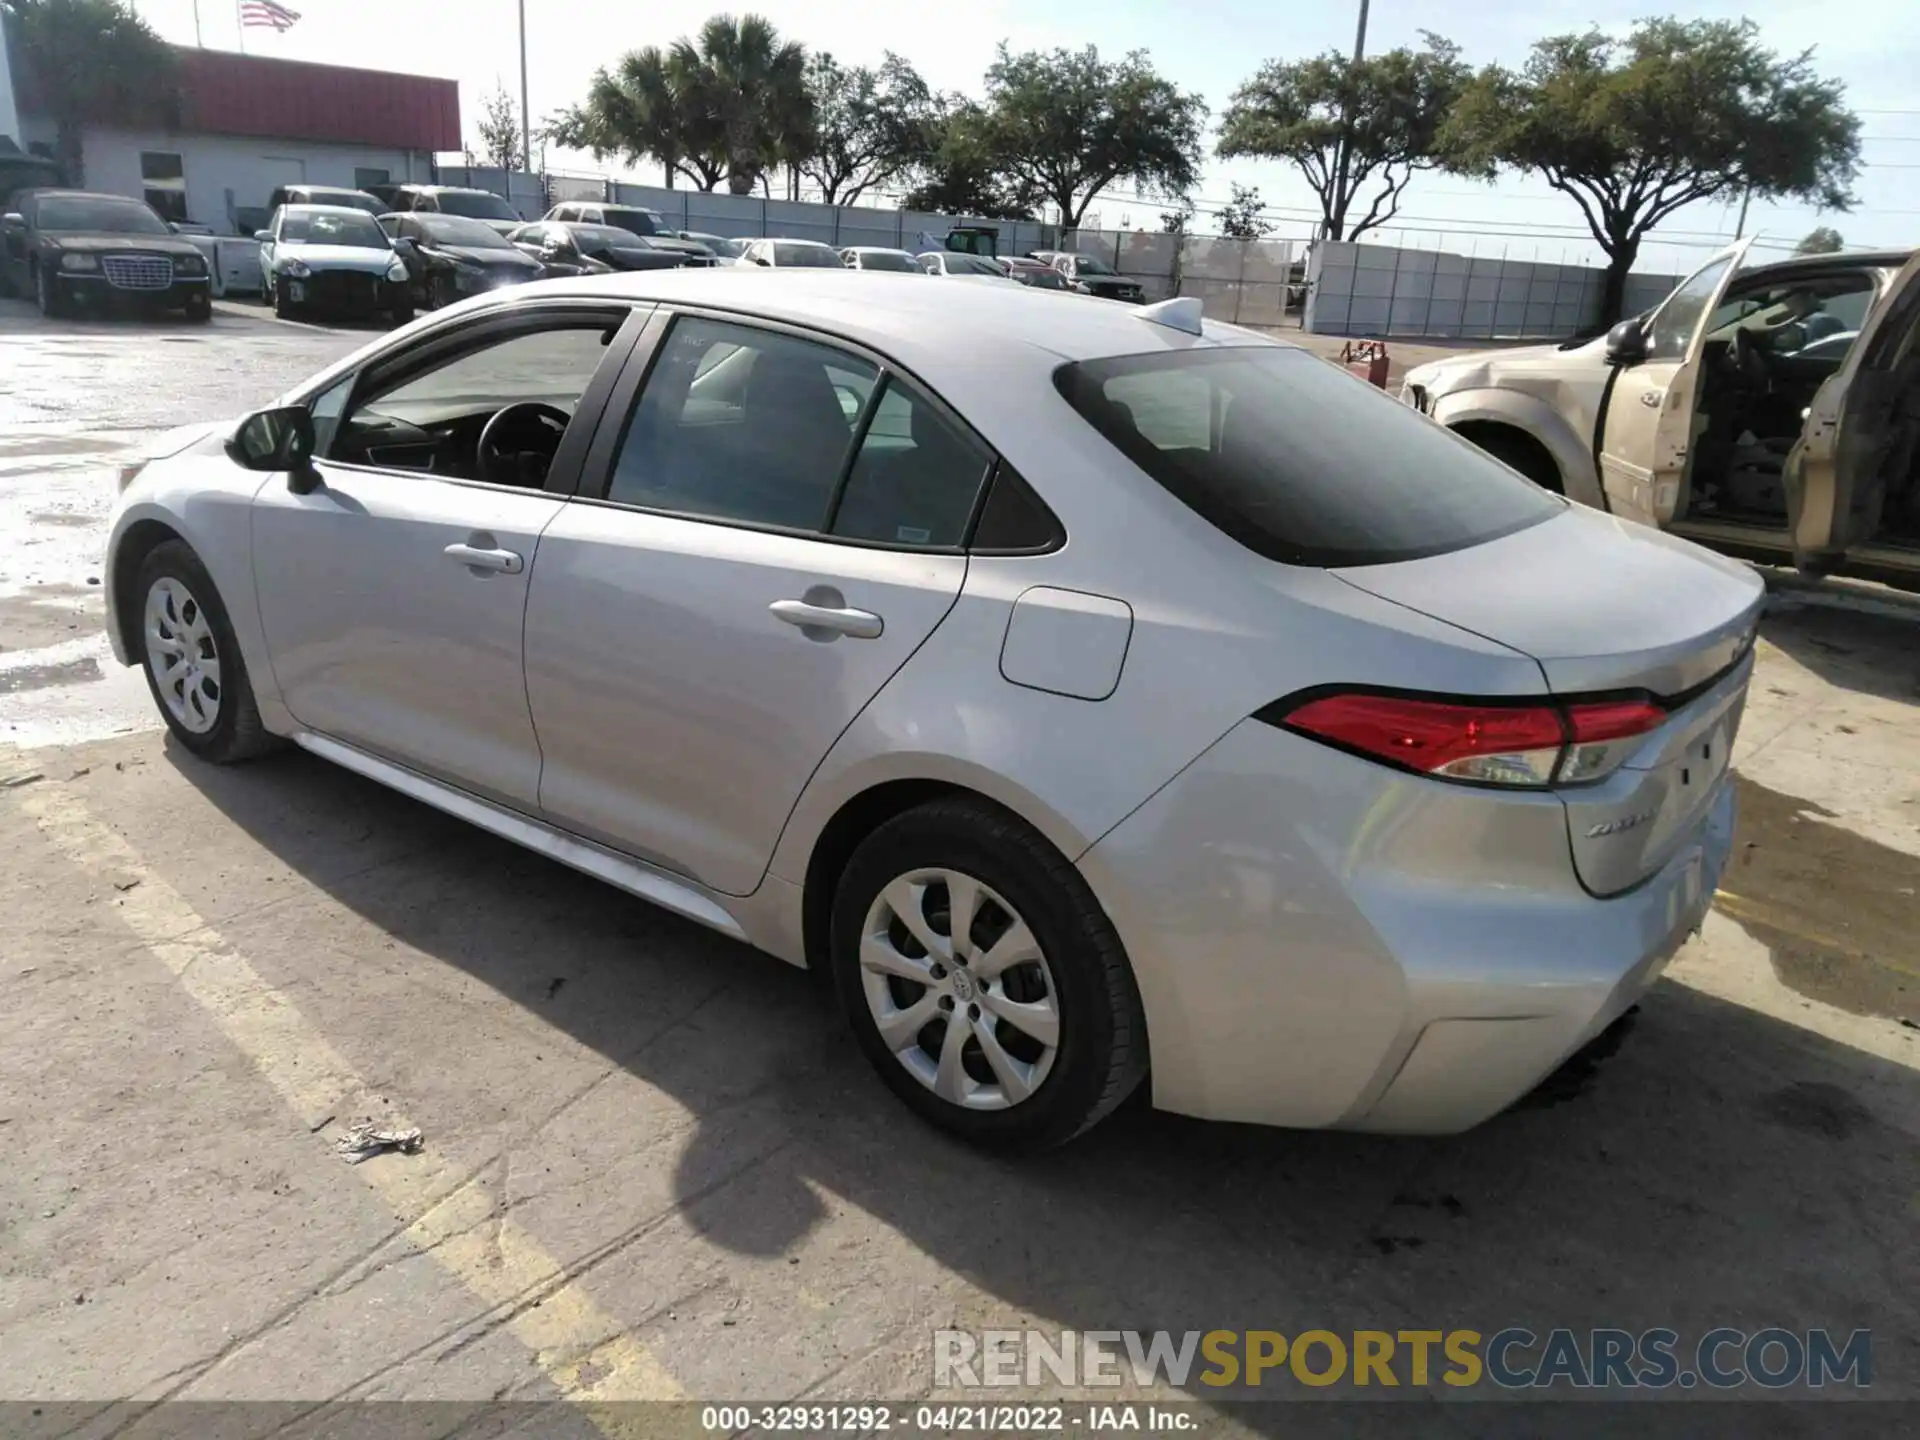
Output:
x=1298 y=461
x=1674 y=324
x=431 y=419
x=741 y=424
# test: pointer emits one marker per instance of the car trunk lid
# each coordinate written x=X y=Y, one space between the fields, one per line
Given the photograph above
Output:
x=1606 y=608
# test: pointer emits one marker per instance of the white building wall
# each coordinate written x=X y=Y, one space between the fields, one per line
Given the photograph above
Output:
x=9 y=116
x=225 y=173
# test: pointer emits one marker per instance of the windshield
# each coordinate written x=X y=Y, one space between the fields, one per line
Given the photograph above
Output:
x=593 y=237
x=639 y=222
x=476 y=203
x=1040 y=277
x=962 y=264
x=452 y=230
x=887 y=260
x=1298 y=461
x=87 y=212
x=352 y=199
x=726 y=249
x=1087 y=265
x=788 y=252
x=337 y=228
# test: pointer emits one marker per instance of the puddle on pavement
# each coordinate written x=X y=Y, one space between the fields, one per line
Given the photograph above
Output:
x=30 y=622
x=63 y=517
x=1839 y=912
x=49 y=677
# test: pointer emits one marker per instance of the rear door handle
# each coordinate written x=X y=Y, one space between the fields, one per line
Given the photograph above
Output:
x=828 y=621
x=474 y=557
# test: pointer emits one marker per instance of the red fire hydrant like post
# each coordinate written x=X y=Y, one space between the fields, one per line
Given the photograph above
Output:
x=1367 y=358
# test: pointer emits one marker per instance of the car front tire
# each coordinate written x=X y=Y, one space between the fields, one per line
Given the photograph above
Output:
x=1021 y=1031
x=283 y=308
x=46 y=293
x=192 y=661
x=199 y=309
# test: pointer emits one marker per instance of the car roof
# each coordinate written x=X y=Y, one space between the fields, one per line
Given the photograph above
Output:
x=875 y=250
x=455 y=189
x=64 y=192
x=308 y=207
x=930 y=329
x=1837 y=260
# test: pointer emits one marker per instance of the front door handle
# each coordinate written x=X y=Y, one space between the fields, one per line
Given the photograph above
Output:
x=826 y=616
x=476 y=557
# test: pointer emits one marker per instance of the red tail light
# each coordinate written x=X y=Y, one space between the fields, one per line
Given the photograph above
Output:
x=1490 y=744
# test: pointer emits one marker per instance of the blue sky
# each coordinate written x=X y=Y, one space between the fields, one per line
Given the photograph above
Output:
x=1204 y=45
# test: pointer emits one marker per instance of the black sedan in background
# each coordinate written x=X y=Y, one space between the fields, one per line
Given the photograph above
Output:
x=577 y=248
x=450 y=257
x=74 y=250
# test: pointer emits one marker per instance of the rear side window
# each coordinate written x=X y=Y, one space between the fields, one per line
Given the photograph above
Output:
x=1297 y=460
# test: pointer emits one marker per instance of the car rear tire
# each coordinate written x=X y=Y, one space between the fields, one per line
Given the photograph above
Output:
x=403 y=313
x=192 y=661
x=441 y=292
x=1021 y=1034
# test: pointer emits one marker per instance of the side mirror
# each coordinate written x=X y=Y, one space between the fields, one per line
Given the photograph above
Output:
x=13 y=220
x=1626 y=343
x=405 y=246
x=263 y=236
x=278 y=440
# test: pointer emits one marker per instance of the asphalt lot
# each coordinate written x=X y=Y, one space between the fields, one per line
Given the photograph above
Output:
x=654 y=1169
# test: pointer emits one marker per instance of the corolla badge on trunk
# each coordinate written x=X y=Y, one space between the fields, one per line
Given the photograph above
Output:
x=1618 y=824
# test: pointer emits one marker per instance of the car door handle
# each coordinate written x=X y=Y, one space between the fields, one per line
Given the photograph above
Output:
x=475 y=557
x=826 y=621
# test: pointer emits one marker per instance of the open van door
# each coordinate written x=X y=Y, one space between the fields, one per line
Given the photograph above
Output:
x=1649 y=419
x=1836 y=477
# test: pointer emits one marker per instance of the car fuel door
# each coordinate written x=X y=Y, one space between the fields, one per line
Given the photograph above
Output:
x=1648 y=424
x=1859 y=429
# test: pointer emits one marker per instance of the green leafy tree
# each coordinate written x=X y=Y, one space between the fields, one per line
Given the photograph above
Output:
x=744 y=91
x=1241 y=217
x=1821 y=240
x=638 y=111
x=1064 y=125
x=1679 y=111
x=959 y=175
x=871 y=126
x=1349 y=127
x=92 y=61
x=499 y=130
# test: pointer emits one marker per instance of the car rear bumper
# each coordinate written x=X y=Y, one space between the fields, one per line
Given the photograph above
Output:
x=1321 y=941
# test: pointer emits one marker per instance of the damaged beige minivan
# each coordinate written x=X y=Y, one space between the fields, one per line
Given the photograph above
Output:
x=1766 y=412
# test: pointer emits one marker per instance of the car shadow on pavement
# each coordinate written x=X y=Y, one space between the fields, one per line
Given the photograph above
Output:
x=1722 y=1168
x=1859 y=650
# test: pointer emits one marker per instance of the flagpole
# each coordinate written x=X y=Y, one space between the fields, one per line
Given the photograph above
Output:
x=198 y=43
x=241 y=22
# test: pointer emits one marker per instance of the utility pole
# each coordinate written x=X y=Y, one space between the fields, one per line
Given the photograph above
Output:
x=1341 y=163
x=1740 y=229
x=526 y=128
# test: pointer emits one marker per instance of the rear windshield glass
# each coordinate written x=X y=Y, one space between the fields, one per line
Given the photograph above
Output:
x=822 y=256
x=639 y=222
x=1297 y=460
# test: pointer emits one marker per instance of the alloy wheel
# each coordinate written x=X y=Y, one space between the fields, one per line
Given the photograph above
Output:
x=182 y=656
x=959 y=989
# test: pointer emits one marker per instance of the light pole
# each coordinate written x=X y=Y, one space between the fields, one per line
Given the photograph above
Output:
x=526 y=129
x=1341 y=156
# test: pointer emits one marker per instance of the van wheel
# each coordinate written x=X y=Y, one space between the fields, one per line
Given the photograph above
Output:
x=191 y=660
x=983 y=980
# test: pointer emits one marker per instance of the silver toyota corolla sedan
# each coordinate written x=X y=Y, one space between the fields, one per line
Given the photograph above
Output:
x=1094 y=693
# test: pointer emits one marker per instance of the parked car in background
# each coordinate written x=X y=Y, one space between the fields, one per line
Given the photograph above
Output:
x=1037 y=273
x=1092 y=276
x=636 y=220
x=875 y=257
x=955 y=262
x=326 y=195
x=723 y=250
x=332 y=259
x=1391 y=782
x=576 y=249
x=482 y=205
x=1768 y=412
x=450 y=257
x=74 y=250
x=789 y=254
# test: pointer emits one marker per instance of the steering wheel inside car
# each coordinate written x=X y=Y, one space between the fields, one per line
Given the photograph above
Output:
x=519 y=443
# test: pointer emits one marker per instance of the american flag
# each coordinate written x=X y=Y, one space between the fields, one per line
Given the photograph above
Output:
x=266 y=13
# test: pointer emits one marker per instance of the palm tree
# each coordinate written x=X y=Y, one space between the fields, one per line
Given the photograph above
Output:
x=641 y=110
x=747 y=88
x=90 y=61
